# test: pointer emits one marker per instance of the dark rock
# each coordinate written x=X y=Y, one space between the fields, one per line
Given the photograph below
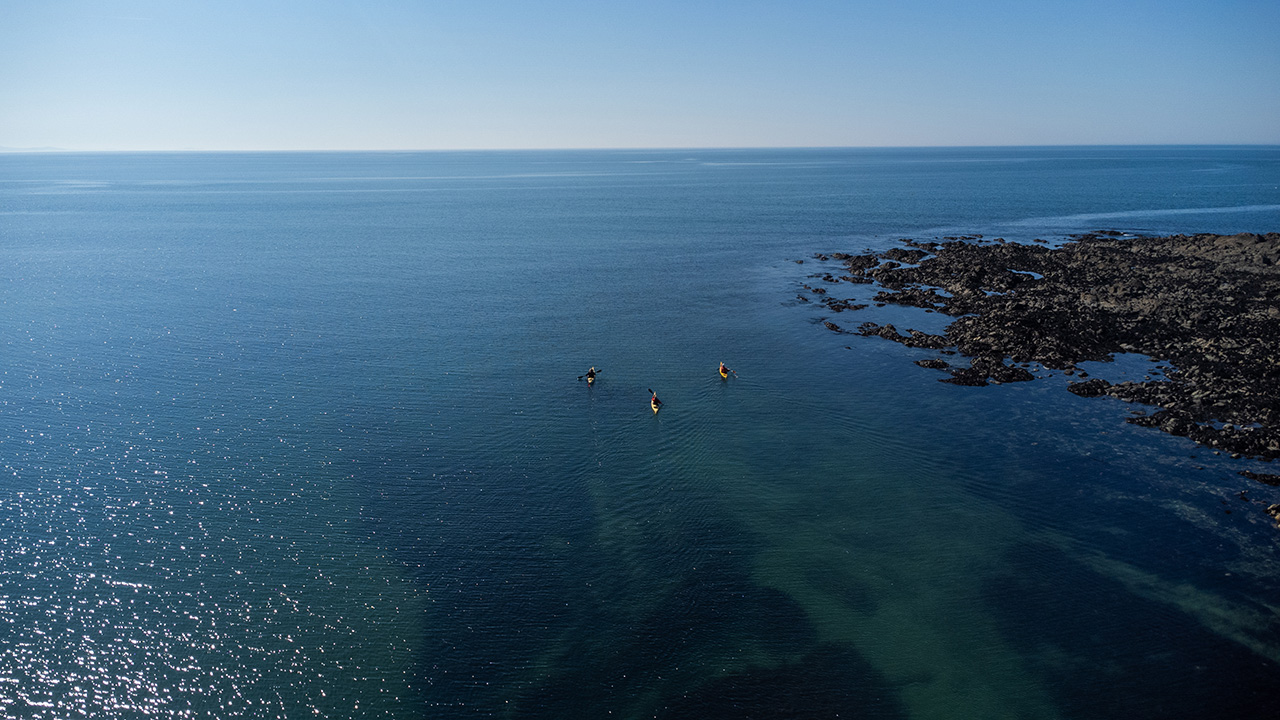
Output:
x=838 y=305
x=914 y=297
x=859 y=263
x=904 y=256
x=967 y=376
x=934 y=364
x=888 y=332
x=1206 y=307
x=1264 y=478
x=1011 y=374
x=918 y=339
x=991 y=368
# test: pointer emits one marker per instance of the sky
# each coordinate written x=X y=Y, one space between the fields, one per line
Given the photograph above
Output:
x=122 y=75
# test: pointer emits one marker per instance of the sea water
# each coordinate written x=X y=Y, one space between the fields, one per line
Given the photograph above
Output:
x=303 y=435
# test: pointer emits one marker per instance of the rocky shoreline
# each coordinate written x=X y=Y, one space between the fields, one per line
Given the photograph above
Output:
x=1204 y=308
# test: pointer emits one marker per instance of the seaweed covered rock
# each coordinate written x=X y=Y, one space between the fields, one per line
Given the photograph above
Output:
x=1207 y=305
x=1096 y=387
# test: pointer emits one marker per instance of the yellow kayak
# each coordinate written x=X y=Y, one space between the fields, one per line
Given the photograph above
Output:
x=655 y=404
x=724 y=373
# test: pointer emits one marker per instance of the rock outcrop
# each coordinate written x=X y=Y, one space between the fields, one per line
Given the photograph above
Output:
x=1207 y=306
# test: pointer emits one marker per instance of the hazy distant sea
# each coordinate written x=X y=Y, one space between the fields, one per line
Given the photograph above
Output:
x=301 y=435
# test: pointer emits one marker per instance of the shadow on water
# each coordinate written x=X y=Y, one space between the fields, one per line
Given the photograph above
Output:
x=750 y=653
x=632 y=596
x=1091 y=640
x=830 y=682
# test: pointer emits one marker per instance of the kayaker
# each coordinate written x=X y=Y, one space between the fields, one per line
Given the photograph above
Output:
x=654 y=401
x=591 y=374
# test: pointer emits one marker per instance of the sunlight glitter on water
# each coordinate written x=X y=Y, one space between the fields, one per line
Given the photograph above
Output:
x=126 y=595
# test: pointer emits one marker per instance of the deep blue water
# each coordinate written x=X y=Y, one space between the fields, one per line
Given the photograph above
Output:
x=301 y=435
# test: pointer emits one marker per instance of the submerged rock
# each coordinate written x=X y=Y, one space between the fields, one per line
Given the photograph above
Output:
x=1264 y=478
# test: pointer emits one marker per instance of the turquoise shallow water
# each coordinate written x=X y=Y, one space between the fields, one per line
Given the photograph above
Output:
x=301 y=435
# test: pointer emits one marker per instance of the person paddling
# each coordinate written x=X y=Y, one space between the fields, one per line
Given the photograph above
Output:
x=591 y=375
x=654 y=402
x=724 y=370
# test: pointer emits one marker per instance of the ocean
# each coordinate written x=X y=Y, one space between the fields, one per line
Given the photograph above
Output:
x=303 y=435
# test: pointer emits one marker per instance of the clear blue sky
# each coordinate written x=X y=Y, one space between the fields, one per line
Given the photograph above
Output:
x=396 y=74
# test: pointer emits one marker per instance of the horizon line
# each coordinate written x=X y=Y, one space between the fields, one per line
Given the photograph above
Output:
x=656 y=148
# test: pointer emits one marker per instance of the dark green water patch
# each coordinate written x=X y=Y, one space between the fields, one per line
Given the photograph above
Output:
x=696 y=637
x=1105 y=652
x=830 y=682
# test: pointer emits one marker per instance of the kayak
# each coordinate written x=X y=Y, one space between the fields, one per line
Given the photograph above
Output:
x=655 y=405
x=591 y=379
x=724 y=374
